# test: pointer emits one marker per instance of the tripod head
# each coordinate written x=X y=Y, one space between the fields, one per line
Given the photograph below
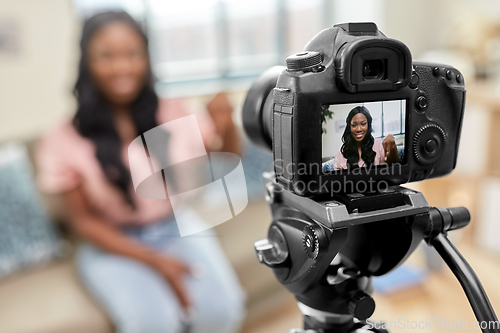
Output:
x=326 y=250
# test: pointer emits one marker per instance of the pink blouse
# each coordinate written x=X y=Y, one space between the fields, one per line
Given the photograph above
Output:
x=340 y=162
x=67 y=160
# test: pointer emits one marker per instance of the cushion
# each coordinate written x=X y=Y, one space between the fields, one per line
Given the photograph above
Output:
x=329 y=165
x=27 y=237
x=401 y=152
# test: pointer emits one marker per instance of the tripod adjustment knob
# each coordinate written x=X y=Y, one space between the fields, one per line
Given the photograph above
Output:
x=310 y=241
x=361 y=305
x=273 y=250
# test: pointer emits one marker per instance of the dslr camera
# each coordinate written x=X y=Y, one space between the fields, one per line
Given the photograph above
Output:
x=348 y=120
x=353 y=113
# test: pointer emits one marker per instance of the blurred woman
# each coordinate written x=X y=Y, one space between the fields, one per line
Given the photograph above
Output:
x=360 y=148
x=132 y=259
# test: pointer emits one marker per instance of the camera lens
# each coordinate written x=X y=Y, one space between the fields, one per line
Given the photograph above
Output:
x=373 y=69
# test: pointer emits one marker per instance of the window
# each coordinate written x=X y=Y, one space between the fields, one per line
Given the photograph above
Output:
x=389 y=117
x=202 y=46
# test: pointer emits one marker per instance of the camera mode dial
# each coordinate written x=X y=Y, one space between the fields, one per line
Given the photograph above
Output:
x=429 y=144
x=307 y=60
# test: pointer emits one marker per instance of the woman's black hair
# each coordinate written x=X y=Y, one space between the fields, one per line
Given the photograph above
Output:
x=93 y=118
x=350 y=149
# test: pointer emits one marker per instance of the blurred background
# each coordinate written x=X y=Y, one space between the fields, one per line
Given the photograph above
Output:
x=201 y=47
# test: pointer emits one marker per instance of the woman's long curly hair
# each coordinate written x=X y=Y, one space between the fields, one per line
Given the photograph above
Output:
x=93 y=118
x=350 y=149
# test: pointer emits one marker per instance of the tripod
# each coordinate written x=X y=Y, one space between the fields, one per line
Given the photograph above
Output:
x=326 y=251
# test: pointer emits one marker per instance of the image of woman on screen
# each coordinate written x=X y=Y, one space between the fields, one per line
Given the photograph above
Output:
x=360 y=148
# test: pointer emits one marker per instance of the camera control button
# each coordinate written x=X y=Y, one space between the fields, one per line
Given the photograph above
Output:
x=421 y=102
x=449 y=74
x=414 y=81
x=431 y=146
x=436 y=71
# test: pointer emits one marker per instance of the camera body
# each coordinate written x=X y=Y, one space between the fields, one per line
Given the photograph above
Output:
x=355 y=63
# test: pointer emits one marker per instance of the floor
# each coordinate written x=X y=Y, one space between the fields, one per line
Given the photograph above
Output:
x=438 y=305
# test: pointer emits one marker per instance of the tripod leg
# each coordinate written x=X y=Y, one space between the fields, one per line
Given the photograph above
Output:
x=470 y=282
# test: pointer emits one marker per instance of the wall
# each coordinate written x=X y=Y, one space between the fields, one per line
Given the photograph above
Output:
x=35 y=83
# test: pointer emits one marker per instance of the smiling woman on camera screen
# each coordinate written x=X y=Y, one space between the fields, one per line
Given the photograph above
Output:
x=359 y=147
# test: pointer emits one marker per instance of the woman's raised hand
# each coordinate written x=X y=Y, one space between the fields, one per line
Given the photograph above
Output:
x=389 y=144
x=221 y=111
x=390 y=149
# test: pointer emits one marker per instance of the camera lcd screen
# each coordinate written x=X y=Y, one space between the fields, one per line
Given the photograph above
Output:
x=363 y=135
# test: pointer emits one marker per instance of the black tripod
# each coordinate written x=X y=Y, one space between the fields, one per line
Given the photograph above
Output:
x=326 y=251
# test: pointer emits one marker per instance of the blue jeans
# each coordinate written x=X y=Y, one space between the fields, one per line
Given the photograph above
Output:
x=139 y=300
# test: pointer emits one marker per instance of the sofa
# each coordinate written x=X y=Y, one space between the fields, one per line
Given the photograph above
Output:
x=49 y=297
